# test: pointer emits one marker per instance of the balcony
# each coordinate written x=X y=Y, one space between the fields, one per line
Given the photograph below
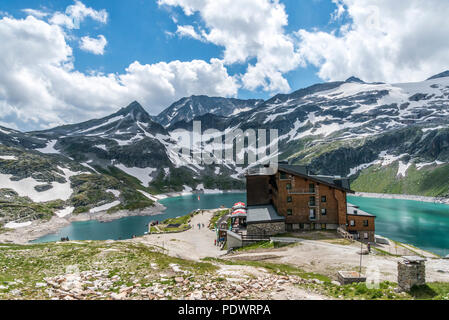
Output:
x=301 y=191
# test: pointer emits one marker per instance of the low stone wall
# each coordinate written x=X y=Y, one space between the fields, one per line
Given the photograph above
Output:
x=317 y=226
x=233 y=240
x=360 y=236
x=348 y=277
x=269 y=229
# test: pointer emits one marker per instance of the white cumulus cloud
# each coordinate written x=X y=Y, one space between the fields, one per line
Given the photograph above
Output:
x=76 y=13
x=188 y=31
x=39 y=86
x=384 y=40
x=95 y=46
x=248 y=29
x=36 y=13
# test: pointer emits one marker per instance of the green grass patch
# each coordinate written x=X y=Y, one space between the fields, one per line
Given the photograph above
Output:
x=431 y=291
x=360 y=291
x=257 y=245
x=183 y=223
x=431 y=181
x=217 y=216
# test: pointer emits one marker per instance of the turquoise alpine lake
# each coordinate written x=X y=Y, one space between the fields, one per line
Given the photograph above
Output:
x=422 y=224
x=126 y=228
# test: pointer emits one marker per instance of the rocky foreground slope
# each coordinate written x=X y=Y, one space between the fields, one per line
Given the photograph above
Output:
x=125 y=270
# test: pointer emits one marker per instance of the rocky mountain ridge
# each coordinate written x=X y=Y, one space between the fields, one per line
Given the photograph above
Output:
x=396 y=134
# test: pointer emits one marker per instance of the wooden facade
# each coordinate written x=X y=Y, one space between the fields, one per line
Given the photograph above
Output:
x=307 y=202
x=361 y=224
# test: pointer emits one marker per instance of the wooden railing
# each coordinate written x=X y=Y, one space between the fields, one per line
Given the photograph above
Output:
x=255 y=237
x=301 y=191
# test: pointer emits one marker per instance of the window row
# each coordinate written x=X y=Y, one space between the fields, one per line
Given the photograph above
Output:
x=312 y=213
x=311 y=187
x=312 y=200
x=352 y=223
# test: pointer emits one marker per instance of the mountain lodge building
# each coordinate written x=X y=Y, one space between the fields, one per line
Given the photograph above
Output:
x=293 y=199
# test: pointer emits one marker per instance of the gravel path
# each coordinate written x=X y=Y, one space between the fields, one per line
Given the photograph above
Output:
x=193 y=244
x=326 y=258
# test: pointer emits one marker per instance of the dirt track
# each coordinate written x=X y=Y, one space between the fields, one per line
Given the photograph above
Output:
x=193 y=244
x=326 y=258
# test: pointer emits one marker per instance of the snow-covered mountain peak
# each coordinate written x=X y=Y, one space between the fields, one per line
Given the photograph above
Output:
x=186 y=109
x=440 y=75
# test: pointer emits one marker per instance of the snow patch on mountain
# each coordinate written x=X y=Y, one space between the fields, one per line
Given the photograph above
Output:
x=116 y=193
x=421 y=165
x=49 y=148
x=149 y=196
x=403 y=167
x=108 y=122
x=87 y=165
x=434 y=128
x=10 y=158
x=142 y=174
x=15 y=225
x=104 y=207
x=237 y=111
x=384 y=160
x=65 y=212
x=102 y=147
x=26 y=187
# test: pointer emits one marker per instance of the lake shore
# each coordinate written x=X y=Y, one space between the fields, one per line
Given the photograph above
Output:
x=193 y=192
x=41 y=228
x=401 y=197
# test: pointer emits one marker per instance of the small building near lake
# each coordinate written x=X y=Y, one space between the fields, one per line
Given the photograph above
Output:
x=361 y=224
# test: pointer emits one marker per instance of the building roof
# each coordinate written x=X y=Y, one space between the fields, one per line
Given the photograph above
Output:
x=414 y=259
x=261 y=171
x=355 y=211
x=260 y=214
x=302 y=171
x=335 y=182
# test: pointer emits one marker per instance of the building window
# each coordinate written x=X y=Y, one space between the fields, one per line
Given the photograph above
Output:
x=323 y=199
x=323 y=226
x=289 y=186
x=289 y=199
x=323 y=212
x=352 y=223
x=289 y=212
x=312 y=188
x=312 y=214
x=366 y=235
x=301 y=226
x=365 y=223
x=283 y=175
x=312 y=201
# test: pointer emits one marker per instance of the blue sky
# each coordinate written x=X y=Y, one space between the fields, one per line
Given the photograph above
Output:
x=136 y=32
x=67 y=61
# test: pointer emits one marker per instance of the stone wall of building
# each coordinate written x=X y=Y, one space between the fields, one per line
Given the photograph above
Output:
x=411 y=274
x=364 y=236
x=270 y=229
